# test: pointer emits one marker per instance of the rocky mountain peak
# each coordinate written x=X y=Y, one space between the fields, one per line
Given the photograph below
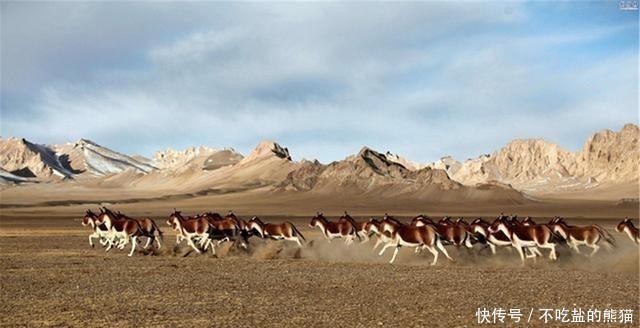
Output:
x=266 y=149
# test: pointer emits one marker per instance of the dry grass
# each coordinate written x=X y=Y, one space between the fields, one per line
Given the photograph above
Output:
x=54 y=279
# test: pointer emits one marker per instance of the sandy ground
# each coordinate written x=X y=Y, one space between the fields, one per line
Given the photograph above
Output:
x=51 y=277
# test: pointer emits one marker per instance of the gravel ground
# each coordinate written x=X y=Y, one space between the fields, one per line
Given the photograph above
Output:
x=51 y=277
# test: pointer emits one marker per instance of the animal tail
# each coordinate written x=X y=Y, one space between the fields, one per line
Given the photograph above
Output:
x=297 y=232
x=605 y=235
x=436 y=232
x=353 y=225
x=160 y=233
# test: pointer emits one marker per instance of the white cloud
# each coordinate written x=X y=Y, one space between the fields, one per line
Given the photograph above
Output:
x=423 y=80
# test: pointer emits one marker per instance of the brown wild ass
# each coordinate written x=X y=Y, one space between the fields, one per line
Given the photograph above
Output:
x=147 y=225
x=245 y=232
x=192 y=230
x=526 y=236
x=281 y=231
x=222 y=228
x=422 y=237
x=626 y=226
x=100 y=231
x=576 y=236
x=125 y=229
x=388 y=224
x=344 y=228
x=454 y=233
x=359 y=226
x=494 y=239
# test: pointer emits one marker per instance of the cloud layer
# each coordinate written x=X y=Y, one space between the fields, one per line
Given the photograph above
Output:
x=423 y=80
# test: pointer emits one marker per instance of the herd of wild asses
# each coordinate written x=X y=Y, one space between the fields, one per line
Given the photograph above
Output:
x=209 y=230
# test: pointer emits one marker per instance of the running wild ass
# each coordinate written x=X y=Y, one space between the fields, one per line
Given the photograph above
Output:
x=100 y=231
x=344 y=228
x=522 y=236
x=277 y=231
x=125 y=229
x=626 y=226
x=576 y=236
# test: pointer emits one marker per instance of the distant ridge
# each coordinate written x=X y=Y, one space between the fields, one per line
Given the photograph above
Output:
x=532 y=166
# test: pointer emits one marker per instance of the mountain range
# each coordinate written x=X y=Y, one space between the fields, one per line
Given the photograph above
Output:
x=520 y=171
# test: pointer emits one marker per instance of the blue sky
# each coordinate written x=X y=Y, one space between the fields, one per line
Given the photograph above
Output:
x=423 y=80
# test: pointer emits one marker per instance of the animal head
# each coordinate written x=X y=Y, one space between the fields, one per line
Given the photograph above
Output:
x=103 y=217
x=319 y=217
x=623 y=224
x=230 y=215
x=478 y=221
x=372 y=225
x=528 y=221
x=501 y=221
x=445 y=220
x=173 y=219
x=256 y=224
x=346 y=216
x=461 y=221
x=88 y=218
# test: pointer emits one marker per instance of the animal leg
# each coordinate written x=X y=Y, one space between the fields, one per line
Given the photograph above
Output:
x=378 y=242
x=91 y=239
x=434 y=252
x=110 y=244
x=134 y=243
x=193 y=245
x=384 y=248
x=552 y=254
x=349 y=240
x=521 y=252
x=595 y=248
x=443 y=250
x=533 y=253
x=493 y=248
x=395 y=252
x=467 y=242
x=213 y=247
x=149 y=241
x=575 y=246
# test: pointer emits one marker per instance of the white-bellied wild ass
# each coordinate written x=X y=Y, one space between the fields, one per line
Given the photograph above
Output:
x=277 y=231
x=245 y=232
x=454 y=233
x=125 y=229
x=358 y=227
x=526 y=236
x=344 y=228
x=148 y=227
x=192 y=230
x=626 y=226
x=100 y=231
x=576 y=236
x=422 y=237
x=374 y=228
x=224 y=229
x=377 y=227
x=494 y=239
